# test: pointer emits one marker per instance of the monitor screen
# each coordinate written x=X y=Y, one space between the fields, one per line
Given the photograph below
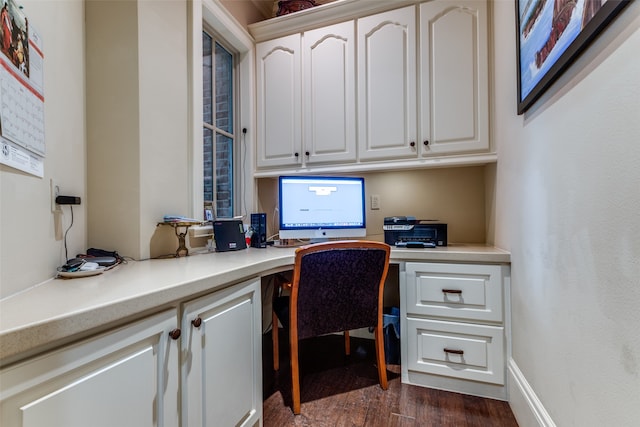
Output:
x=319 y=208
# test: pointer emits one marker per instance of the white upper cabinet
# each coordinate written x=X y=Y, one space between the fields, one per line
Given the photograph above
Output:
x=279 y=119
x=306 y=98
x=329 y=109
x=407 y=87
x=387 y=85
x=453 y=77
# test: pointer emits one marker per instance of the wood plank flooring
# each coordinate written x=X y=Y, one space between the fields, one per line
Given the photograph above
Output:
x=339 y=390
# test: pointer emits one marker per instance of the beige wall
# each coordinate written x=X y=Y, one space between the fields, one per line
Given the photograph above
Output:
x=567 y=206
x=251 y=11
x=565 y=203
x=137 y=124
x=131 y=164
x=248 y=12
x=455 y=196
x=31 y=245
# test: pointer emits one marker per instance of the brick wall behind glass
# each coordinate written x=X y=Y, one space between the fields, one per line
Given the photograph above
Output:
x=224 y=147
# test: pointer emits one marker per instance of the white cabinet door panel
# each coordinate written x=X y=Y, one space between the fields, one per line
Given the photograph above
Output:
x=454 y=76
x=387 y=85
x=222 y=374
x=279 y=102
x=126 y=378
x=92 y=395
x=329 y=94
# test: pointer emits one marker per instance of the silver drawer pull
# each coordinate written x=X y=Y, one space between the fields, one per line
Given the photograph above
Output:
x=452 y=291
x=452 y=351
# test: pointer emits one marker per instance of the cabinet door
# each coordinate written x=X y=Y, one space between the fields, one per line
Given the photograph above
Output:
x=454 y=113
x=278 y=95
x=387 y=85
x=329 y=94
x=221 y=369
x=126 y=378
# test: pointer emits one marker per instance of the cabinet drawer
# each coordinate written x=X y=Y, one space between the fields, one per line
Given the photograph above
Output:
x=458 y=291
x=471 y=352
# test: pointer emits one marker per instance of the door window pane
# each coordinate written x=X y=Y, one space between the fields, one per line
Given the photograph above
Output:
x=224 y=89
x=207 y=80
x=224 y=176
x=218 y=136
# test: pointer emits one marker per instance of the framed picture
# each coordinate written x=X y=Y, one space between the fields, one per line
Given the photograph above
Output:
x=550 y=35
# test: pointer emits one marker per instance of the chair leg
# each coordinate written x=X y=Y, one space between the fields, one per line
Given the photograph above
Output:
x=347 y=343
x=274 y=339
x=382 y=365
x=295 y=376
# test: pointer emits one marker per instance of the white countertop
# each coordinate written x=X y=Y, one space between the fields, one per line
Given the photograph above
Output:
x=59 y=311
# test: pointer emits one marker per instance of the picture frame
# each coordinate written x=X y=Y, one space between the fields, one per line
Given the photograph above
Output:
x=550 y=35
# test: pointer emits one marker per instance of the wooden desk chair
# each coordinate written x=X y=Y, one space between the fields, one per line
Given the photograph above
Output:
x=336 y=286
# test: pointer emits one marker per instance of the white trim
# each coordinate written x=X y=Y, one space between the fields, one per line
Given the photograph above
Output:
x=227 y=27
x=194 y=133
x=216 y=15
x=524 y=402
x=404 y=164
x=320 y=16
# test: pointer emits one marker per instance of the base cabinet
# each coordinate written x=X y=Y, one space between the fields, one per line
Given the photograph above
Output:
x=222 y=365
x=150 y=373
x=455 y=327
x=126 y=378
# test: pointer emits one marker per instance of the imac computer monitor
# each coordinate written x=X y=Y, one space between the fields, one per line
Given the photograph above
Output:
x=321 y=208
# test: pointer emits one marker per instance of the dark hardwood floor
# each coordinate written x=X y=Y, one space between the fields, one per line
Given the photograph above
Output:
x=339 y=390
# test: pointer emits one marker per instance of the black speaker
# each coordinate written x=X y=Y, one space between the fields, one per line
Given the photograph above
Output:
x=259 y=228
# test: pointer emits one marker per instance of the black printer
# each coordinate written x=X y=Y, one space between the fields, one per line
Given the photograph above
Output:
x=410 y=232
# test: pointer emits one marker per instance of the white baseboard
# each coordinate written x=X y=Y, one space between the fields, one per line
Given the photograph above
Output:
x=524 y=402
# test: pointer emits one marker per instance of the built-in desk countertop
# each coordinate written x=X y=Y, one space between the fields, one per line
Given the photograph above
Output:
x=60 y=311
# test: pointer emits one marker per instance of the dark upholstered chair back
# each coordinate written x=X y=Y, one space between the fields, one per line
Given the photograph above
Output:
x=338 y=289
x=336 y=286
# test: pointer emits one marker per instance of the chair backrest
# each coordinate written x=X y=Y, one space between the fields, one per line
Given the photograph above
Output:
x=338 y=286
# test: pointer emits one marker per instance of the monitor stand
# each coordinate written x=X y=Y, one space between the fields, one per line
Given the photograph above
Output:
x=318 y=240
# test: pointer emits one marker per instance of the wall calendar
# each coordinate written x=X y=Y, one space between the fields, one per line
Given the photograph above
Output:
x=21 y=92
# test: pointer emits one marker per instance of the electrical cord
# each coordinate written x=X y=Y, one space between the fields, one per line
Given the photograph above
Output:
x=274 y=218
x=66 y=255
x=243 y=155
